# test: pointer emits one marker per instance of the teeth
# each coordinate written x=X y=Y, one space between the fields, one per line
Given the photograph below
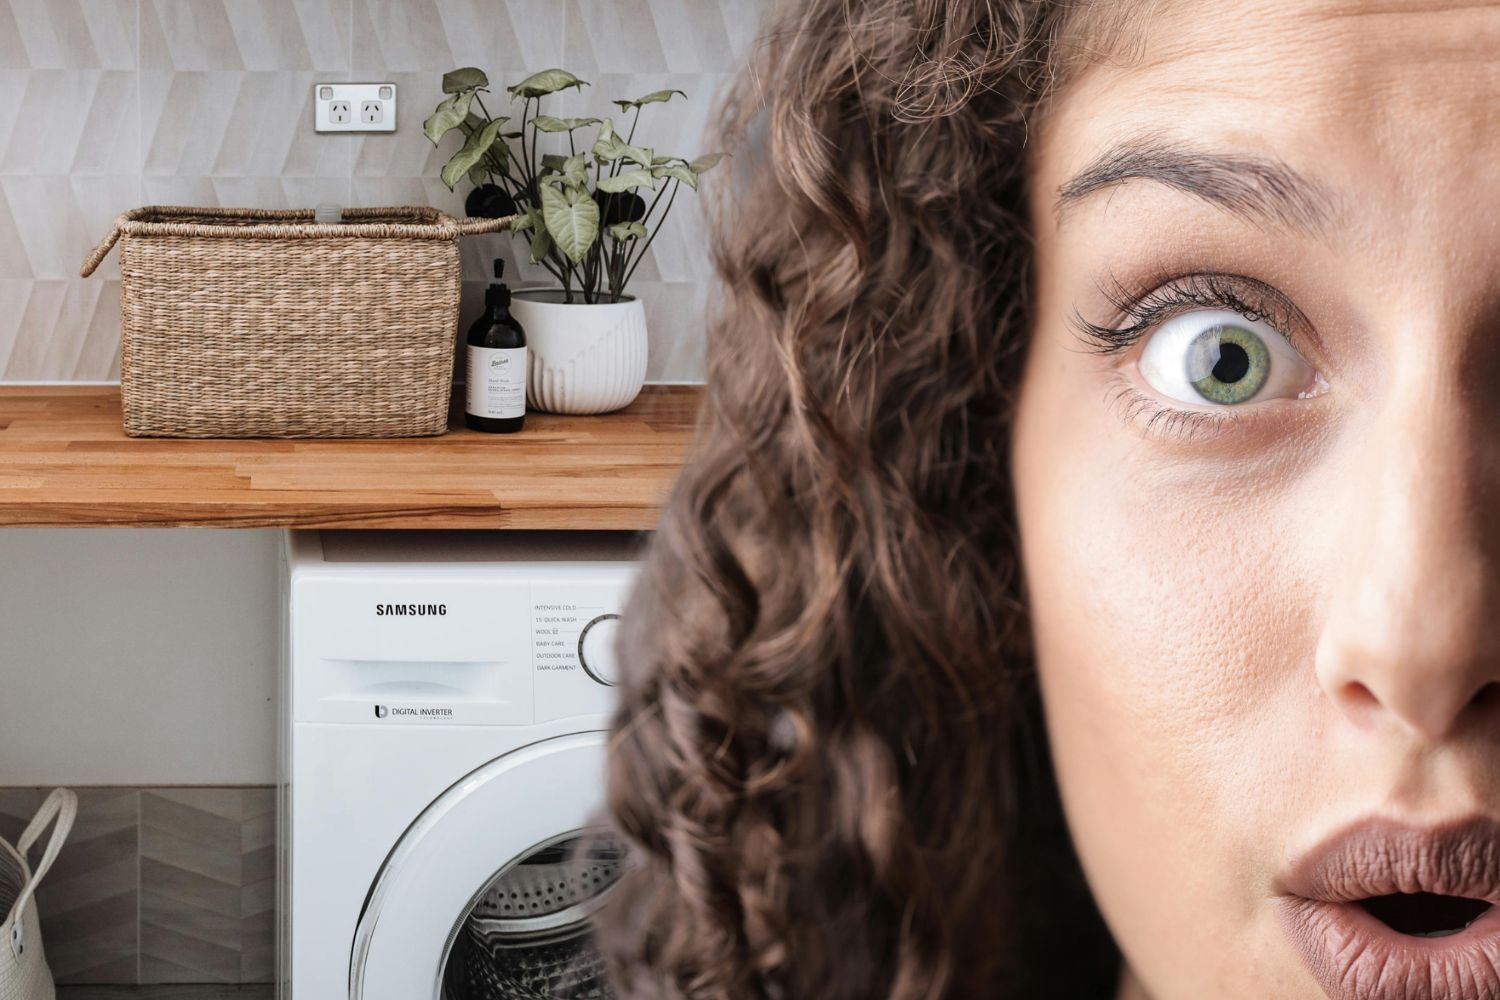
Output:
x=1430 y=934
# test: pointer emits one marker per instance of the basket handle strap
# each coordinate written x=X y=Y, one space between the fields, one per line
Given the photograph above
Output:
x=102 y=250
x=473 y=227
x=62 y=807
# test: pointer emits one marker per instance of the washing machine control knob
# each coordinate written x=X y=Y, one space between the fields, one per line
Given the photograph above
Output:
x=596 y=648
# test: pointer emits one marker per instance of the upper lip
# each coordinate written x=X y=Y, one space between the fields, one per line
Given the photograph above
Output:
x=1379 y=856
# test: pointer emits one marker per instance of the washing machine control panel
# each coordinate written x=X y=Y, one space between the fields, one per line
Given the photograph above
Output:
x=457 y=650
x=574 y=628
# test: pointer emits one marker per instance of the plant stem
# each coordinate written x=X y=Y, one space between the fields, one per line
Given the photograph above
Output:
x=675 y=185
x=525 y=159
x=647 y=217
x=487 y=116
x=614 y=271
x=545 y=261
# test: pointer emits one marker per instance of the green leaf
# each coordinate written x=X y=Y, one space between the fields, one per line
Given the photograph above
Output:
x=678 y=171
x=541 y=245
x=460 y=80
x=548 y=81
x=572 y=218
x=607 y=149
x=547 y=123
x=498 y=150
x=563 y=169
x=471 y=153
x=606 y=131
x=627 y=179
x=661 y=161
x=449 y=115
x=705 y=163
x=521 y=223
x=655 y=97
x=541 y=240
x=499 y=155
x=627 y=230
x=614 y=148
x=478 y=174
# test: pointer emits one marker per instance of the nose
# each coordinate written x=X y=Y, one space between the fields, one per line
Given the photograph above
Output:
x=1413 y=633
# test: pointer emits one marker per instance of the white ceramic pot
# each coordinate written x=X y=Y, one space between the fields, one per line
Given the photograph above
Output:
x=582 y=358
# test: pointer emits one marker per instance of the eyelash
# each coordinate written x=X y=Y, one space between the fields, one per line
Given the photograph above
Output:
x=1166 y=297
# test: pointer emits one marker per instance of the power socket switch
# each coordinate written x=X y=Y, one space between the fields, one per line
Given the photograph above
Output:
x=354 y=107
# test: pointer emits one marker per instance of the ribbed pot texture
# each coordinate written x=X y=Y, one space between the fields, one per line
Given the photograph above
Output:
x=582 y=358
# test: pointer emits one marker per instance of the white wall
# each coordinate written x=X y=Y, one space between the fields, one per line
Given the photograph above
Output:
x=124 y=103
x=138 y=656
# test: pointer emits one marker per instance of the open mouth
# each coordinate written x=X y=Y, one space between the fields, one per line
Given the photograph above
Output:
x=1425 y=914
x=1386 y=910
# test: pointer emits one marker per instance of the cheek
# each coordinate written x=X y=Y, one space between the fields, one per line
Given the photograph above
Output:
x=1174 y=646
x=1164 y=631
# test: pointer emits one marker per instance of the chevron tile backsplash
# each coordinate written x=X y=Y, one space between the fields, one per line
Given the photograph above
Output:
x=208 y=874
x=158 y=885
x=110 y=104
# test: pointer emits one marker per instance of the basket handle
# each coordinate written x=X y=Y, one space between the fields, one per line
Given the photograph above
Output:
x=473 y=227
x=62 y=806
x=102 y=250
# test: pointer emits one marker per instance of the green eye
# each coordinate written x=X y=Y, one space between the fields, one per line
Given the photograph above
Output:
x=1219 y=358
x=1227 y=363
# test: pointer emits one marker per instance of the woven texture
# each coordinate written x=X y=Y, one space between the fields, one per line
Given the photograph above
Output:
x=257 y=323
x=26 y=977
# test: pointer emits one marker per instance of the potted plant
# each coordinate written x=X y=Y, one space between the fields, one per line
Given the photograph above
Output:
x=586 y=219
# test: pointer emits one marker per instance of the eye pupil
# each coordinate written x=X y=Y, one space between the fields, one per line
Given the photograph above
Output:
x=1233 y=364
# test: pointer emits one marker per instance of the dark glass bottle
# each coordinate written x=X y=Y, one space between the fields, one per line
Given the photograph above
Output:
x=495 y=393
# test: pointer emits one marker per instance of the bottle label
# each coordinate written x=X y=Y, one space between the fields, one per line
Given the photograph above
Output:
x=497 y=382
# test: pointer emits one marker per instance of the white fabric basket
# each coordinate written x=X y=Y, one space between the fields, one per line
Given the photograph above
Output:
x=23 y=967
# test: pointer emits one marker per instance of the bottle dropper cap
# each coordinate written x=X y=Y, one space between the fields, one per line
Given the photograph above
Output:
x=498 y=294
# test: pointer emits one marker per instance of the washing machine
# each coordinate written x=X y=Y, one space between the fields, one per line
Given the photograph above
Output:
x=445 y=702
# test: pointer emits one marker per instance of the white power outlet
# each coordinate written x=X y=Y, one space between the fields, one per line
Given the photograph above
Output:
x=354 y=107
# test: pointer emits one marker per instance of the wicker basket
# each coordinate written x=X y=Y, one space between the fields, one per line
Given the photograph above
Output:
x=255 y=323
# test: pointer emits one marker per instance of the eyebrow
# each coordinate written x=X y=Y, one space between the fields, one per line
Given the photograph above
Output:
x=1260 y=189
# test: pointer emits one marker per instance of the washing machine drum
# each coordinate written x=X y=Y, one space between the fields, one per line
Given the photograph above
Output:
x=528 y=937
x=488 y=894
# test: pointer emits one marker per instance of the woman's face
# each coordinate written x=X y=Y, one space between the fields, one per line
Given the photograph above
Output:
x=1262 y=538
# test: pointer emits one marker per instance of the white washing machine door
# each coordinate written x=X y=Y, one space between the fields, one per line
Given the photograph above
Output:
x=433 y=877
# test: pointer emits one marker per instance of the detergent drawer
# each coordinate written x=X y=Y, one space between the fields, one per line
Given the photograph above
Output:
x=411 y=650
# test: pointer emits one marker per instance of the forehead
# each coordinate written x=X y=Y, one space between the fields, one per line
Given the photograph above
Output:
x=1391 y=99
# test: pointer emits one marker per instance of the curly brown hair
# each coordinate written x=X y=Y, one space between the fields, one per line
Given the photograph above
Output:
x=829 y=755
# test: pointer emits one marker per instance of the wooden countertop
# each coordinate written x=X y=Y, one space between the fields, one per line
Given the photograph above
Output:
x=64 y=461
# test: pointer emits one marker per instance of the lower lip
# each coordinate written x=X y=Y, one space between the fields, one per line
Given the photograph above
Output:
x=1355 y=956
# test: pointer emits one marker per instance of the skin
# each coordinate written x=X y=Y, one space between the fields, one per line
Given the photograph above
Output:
x=1250 y=637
